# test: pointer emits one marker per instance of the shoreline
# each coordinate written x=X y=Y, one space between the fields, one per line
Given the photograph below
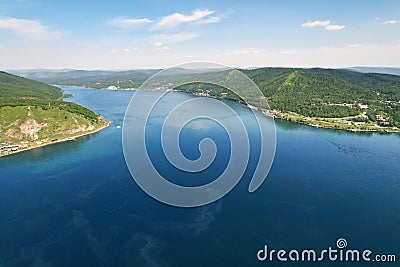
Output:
x=70 y=138
x=284 y=117
x=281 y=116
x=93 y=88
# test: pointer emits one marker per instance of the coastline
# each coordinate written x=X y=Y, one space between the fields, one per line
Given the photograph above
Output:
x=94 y=88
x=66 y=139
x=315 y=122
x=318 y=122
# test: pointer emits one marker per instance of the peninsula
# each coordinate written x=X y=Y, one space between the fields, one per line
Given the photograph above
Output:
x=34 y=114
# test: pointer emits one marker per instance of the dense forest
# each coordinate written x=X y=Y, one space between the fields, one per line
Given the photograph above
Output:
x=12 y=86
x=323 y=93
x=18 y=91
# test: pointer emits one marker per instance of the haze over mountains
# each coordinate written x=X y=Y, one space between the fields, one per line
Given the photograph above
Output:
x=98 y=78
x=133 y=78
x=384 y=70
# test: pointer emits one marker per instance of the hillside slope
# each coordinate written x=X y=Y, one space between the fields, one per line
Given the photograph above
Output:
x=330 y=93
x=12 y=86
x=306 y=92
x=33 y=113
x=328 y=98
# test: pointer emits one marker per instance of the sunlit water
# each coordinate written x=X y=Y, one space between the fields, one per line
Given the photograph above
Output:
x=75 y=203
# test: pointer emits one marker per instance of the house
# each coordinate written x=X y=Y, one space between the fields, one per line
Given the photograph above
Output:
x=380 y=117
x=363 y=106
x=347 y=105
x=384 y=123
x=9 y=147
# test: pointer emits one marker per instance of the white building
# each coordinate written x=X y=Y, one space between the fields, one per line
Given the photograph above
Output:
x=363 y=106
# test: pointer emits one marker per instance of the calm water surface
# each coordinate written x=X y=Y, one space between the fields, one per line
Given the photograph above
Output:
x=75 y=204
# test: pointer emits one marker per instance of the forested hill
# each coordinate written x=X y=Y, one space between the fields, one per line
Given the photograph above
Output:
x=20 y=91
x=33 y=113
x=12 y=86
x=317 y=92
x=369 y=98
x=325 y=81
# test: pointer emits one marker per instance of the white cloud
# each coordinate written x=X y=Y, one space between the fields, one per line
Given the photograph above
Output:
x=316 y=23
x=213 y=19
x=323 y=23
x=354 y=45
x=163 y=48
x=335 y=27
x=392 y=22
x=286 y=52
x=161 y=39
x=198 y=15
x=126 y=23
x=30 y=29
x=249 y=51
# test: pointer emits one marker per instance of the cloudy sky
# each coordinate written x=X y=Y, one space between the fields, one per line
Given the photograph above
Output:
x=123 y=34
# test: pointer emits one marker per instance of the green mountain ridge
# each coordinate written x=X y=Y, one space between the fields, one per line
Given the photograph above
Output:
x=310 y=92
x=12 y=86
x=318 y=92
x=322 y=93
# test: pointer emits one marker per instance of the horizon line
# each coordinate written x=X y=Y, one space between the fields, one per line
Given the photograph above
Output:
x=162 y=68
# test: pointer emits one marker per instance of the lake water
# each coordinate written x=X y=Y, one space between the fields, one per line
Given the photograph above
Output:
x=76 y=204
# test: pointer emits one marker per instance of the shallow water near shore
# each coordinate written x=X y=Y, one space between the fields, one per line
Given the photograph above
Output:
x=76 y=204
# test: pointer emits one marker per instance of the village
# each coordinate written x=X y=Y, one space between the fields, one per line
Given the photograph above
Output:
x=356 y=123
x=9 y=147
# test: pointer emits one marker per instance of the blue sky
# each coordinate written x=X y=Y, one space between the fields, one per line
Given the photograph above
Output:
x=153 y=34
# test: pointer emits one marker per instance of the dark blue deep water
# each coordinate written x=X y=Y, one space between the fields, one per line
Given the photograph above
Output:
x=75 y=203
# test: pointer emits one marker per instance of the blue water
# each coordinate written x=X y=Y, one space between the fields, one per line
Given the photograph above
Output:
x=75 y=203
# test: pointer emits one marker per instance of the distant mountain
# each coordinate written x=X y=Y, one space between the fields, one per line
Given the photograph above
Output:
x=92 y=78
x=386 y=70
x=100 y=78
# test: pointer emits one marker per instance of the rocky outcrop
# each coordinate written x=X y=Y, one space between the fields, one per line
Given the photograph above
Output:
x=30 y=128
